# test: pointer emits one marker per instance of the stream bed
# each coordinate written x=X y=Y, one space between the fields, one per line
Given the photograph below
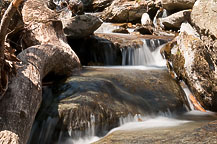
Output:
x=129 y=98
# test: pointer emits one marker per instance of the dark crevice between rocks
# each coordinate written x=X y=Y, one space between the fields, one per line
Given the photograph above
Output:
x=96 y=51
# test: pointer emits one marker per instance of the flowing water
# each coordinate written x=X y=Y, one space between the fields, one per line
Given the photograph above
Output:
x=143 y=55
x=145 y=58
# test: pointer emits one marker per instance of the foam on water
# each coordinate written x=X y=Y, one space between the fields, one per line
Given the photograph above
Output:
x=85 y=140
x=146 y=122
x=140 y=67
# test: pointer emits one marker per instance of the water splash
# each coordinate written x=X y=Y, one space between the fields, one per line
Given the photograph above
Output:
x=84 y=140
x=78 y=137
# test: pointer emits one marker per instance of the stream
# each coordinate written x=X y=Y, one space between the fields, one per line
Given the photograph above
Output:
x=132 y=101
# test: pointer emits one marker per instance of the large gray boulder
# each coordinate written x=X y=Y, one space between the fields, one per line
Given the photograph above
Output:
x=204 y=17
x=177 y=4
x=80 y=25
x=175 y=20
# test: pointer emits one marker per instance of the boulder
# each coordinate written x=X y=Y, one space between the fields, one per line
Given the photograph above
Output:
x=177 y=5
x=98 y=98
x=203 y=17
x=8 y=137
x=80 y=25
x=144 y=30
x=121 y=30
x=145 y=20
x=100 y=5
x=175 y=20
x=194 y=61
x=126 y=11
x=96 y=5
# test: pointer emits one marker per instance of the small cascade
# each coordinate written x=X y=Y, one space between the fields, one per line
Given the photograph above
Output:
x=80 y=137
x=146 y=54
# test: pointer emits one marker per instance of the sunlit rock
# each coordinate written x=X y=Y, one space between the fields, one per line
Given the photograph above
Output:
x=193 y=60
x=177 y=4
x=80 y=25
x=203 y=17
x=175 y=20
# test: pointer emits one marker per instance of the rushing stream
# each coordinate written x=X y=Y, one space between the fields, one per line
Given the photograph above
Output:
x=154 y=110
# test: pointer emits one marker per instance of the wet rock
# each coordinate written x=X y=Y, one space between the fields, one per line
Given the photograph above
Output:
x=121 y=30
x=99 y=97
x=144 y=30
x=100 y=5
x=80 y=25
x=145 y=20
x=192 y=132
x=96 y=5
x=203 y=17
x=177 y=4
x=175 y=20
x=194 y=61
x=126 y=11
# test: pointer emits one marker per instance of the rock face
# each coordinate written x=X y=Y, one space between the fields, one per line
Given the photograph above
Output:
x=81 y=25
x=126 y=11
x=107 y=94
x=204 y=15
x=177 y=4
x=194 y=61
x=99 y=5
x=175 y=20
x=96 y=5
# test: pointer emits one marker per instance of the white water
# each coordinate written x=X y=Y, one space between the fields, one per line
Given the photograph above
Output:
x=143 y=55
x=147 y=123
x=85 y=140
x=136 y=122
x=139 y=67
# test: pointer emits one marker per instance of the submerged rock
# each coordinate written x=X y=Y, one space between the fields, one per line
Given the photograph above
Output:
x=177 y=4
x=80 y=25
x=98 y=97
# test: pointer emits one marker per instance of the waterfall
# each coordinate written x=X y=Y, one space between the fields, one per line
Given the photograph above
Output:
x=79 y=137
x=146 y=54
